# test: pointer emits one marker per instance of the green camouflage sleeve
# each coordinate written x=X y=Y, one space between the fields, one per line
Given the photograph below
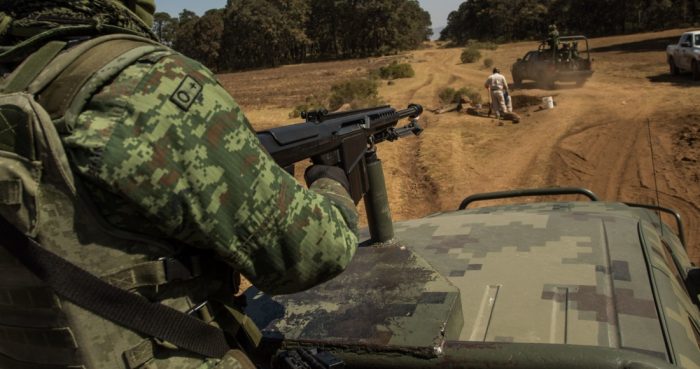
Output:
x=167 y=137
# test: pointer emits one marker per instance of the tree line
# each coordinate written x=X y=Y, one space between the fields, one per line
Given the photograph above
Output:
x=512 y=20
x=267 y=33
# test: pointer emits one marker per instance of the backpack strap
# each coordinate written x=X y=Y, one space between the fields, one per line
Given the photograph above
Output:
x=115 y=304
x=63 y=82
x=21 y=77
x=66 y=85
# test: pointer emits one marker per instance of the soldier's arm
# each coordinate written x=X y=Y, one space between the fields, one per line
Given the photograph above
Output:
x=168 y=138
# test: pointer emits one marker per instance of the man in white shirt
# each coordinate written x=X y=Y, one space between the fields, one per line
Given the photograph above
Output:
x=497 y=86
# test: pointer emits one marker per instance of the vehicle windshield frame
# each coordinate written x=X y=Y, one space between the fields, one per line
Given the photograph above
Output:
x=686 y=38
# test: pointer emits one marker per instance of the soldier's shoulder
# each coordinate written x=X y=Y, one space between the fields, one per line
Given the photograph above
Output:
x=174 y=64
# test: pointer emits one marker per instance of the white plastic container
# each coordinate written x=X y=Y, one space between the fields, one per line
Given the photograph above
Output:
x=548 y=102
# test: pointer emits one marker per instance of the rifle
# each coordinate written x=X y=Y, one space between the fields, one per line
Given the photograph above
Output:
x=347 y=140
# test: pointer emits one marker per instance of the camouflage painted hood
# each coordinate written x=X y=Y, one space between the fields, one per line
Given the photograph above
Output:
x=554 y=275
x=563 y=273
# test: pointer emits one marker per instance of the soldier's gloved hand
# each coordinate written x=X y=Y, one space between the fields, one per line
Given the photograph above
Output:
x=318 y=171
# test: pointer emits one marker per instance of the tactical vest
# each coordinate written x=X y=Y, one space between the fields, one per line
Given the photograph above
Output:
x=45 y=204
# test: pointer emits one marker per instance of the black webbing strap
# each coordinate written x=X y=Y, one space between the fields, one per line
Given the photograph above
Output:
x=119 y=306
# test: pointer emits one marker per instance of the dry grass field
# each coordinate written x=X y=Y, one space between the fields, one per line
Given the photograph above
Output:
x=596 y=137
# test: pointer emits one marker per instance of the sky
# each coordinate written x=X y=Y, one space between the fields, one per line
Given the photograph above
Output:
x=438 y=9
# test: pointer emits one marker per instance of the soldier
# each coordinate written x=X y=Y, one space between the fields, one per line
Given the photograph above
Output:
x=565 y=52
x=574 y=50
x=553 y=37
x=138 y=169
x=497 y=86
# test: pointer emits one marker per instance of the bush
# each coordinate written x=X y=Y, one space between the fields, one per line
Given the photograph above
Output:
x=357 y=92
x=396 y=70
x=310 y=103
x=470 y=55
x=473 y=44
x=469 y=94
x=446 y=95
x=449 y=95
x=488 y=63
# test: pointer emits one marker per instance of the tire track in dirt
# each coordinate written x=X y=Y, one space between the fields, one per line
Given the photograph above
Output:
x=596 y=136
x=412 y=191
x=417 y=193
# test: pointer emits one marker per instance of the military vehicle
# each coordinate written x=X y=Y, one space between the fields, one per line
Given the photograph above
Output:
x=574 y=284
x=569 y=62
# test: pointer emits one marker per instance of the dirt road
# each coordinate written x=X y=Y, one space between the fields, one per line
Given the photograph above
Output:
x=600 y=136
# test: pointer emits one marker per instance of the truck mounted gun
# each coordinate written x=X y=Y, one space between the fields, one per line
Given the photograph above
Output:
x=347 y=140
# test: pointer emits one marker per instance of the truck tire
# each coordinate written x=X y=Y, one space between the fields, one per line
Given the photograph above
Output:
x=696 y=70
x=672 y=67
x=517 y=80
x=545 y=82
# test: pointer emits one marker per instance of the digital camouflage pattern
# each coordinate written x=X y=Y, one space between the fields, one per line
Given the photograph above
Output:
x=172 y=144
x=132 y=249
x=553 y=281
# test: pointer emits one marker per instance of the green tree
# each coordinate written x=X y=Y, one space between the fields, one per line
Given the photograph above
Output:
x=295 y=42
x=165 y=27
x=503 y=20
x=259 y=33
x=208 y=31
x=185 y=37
x=253 y=35
x=413 y=24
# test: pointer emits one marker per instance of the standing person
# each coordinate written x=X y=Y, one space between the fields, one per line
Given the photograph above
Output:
x=497 y=85
x=137 y=175
x=553 y=37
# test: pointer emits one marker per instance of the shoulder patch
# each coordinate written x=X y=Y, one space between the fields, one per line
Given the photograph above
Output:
x=186 y=93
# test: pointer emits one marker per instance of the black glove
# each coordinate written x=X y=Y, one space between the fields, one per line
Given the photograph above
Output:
x=318 y=171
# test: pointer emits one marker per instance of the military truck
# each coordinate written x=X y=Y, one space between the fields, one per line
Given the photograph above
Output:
x=538 y=284
x=570 y=61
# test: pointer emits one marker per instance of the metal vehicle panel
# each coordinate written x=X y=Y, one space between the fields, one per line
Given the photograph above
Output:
x=555 y=277
x=685 y=55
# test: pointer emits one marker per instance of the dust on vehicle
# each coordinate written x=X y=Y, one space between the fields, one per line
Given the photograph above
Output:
x=568 y=61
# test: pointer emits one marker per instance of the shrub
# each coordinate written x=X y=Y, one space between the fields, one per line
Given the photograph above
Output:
x=488 y=63
x=396 y=70
x=357 y=92
x=449 y=95
x=482 y=45
x=470 y=55
x=310 y=103
x=468 y=93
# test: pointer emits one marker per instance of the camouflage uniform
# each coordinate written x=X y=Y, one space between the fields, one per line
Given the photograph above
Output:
x=165 y=154
x=553 y=37
x=171 y=144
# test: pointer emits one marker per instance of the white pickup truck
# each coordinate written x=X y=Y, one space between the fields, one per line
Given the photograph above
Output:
x=685 y=56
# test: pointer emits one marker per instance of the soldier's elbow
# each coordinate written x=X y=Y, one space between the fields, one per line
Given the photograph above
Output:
x=323 y=265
